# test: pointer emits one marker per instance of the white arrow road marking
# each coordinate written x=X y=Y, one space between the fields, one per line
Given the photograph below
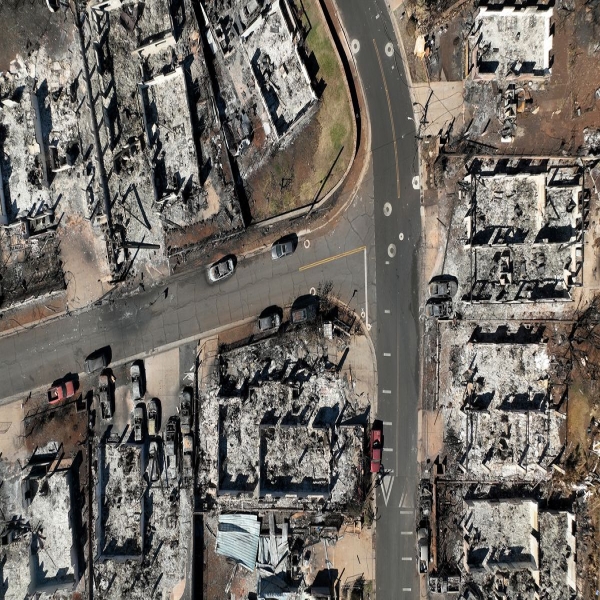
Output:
x=387 y=482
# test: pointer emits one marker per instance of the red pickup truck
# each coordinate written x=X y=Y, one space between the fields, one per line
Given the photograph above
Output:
x=60 y=392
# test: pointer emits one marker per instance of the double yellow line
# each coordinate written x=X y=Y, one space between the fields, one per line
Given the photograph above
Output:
x=332 y=258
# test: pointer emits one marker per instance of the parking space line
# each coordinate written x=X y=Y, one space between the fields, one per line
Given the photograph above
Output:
x=406 y=533
x=407 y=558
x=406 y=512
x=387 y=423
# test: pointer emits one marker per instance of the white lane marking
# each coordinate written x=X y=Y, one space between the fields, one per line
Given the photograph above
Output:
x=387 y=391
x=406 y=533
x=407 y=558
x=387 y=481
x=387 y=262
x=387 y=312
x=406 y=512
x=407 y=589
x=386 y=354
x=366 y=294
x=388 y=449
x=388 y=423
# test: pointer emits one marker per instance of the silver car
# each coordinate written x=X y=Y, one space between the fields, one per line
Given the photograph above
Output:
x=221 y=269
x=282 y=248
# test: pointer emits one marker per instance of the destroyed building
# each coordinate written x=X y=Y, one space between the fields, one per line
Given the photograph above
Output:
x=41 y=531
x=264 y=86
x=495 y=397
x=511 y=41
x=120 y=502
x=513 y=549
x=523 y=232
x=278 y=420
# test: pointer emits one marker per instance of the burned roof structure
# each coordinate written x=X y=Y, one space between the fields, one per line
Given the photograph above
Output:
x=523 y=232
x=511 y=41
x=494 y=393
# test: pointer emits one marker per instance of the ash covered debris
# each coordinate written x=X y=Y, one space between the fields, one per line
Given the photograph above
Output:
x=495 y=396
x=142 y=529
x=159 y=111
x=511 y=41
x=264 y=89
x=40 y=532
x=279 y=418
x=523 y=231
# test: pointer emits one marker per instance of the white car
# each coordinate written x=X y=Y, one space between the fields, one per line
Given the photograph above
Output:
x=221 y=269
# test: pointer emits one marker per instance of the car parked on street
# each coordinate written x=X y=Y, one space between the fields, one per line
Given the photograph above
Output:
x=270 y=318
x=376 y=449
x=439 y=308
x=96 y=360
x=136 y=372
x=284 y=247
x=61 y=391
x=221 y=269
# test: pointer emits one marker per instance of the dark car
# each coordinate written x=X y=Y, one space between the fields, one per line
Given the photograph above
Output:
x=269 y=319
x=221 y=269
x=442 y=287
x=283 y=247
x=96 y=361
x=439 y=308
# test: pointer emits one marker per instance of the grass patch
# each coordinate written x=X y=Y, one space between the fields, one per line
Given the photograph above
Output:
x=295 y=175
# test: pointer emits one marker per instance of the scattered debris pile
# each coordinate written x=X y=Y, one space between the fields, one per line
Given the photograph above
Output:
x=40 y=529
x=523 y=231
x=263 y=83
x=279 y=418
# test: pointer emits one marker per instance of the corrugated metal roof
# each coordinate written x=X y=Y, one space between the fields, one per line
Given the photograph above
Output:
x=237 y=538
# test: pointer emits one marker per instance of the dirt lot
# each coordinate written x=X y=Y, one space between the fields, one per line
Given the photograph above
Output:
x=319 y=155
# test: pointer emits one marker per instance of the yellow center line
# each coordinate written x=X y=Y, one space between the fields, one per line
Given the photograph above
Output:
x=387 y=95
x=332 y=258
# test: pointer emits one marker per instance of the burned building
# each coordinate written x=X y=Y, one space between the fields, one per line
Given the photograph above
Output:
x=495 y=395
x=523 y=232
x=40 y=531
x=280 y=424
x=120 y=502
x=264 y=86
x=513 y=549
x=511 y=41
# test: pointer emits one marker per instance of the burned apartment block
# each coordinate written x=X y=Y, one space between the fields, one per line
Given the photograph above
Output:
x=498 y=530
x=495 y=394
x=511 y=41
x=283 y=428
x=265 y=91
x=523 y=232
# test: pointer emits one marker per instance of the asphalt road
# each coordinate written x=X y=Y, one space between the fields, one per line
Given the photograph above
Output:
x=397 y=233
x=188 y=305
